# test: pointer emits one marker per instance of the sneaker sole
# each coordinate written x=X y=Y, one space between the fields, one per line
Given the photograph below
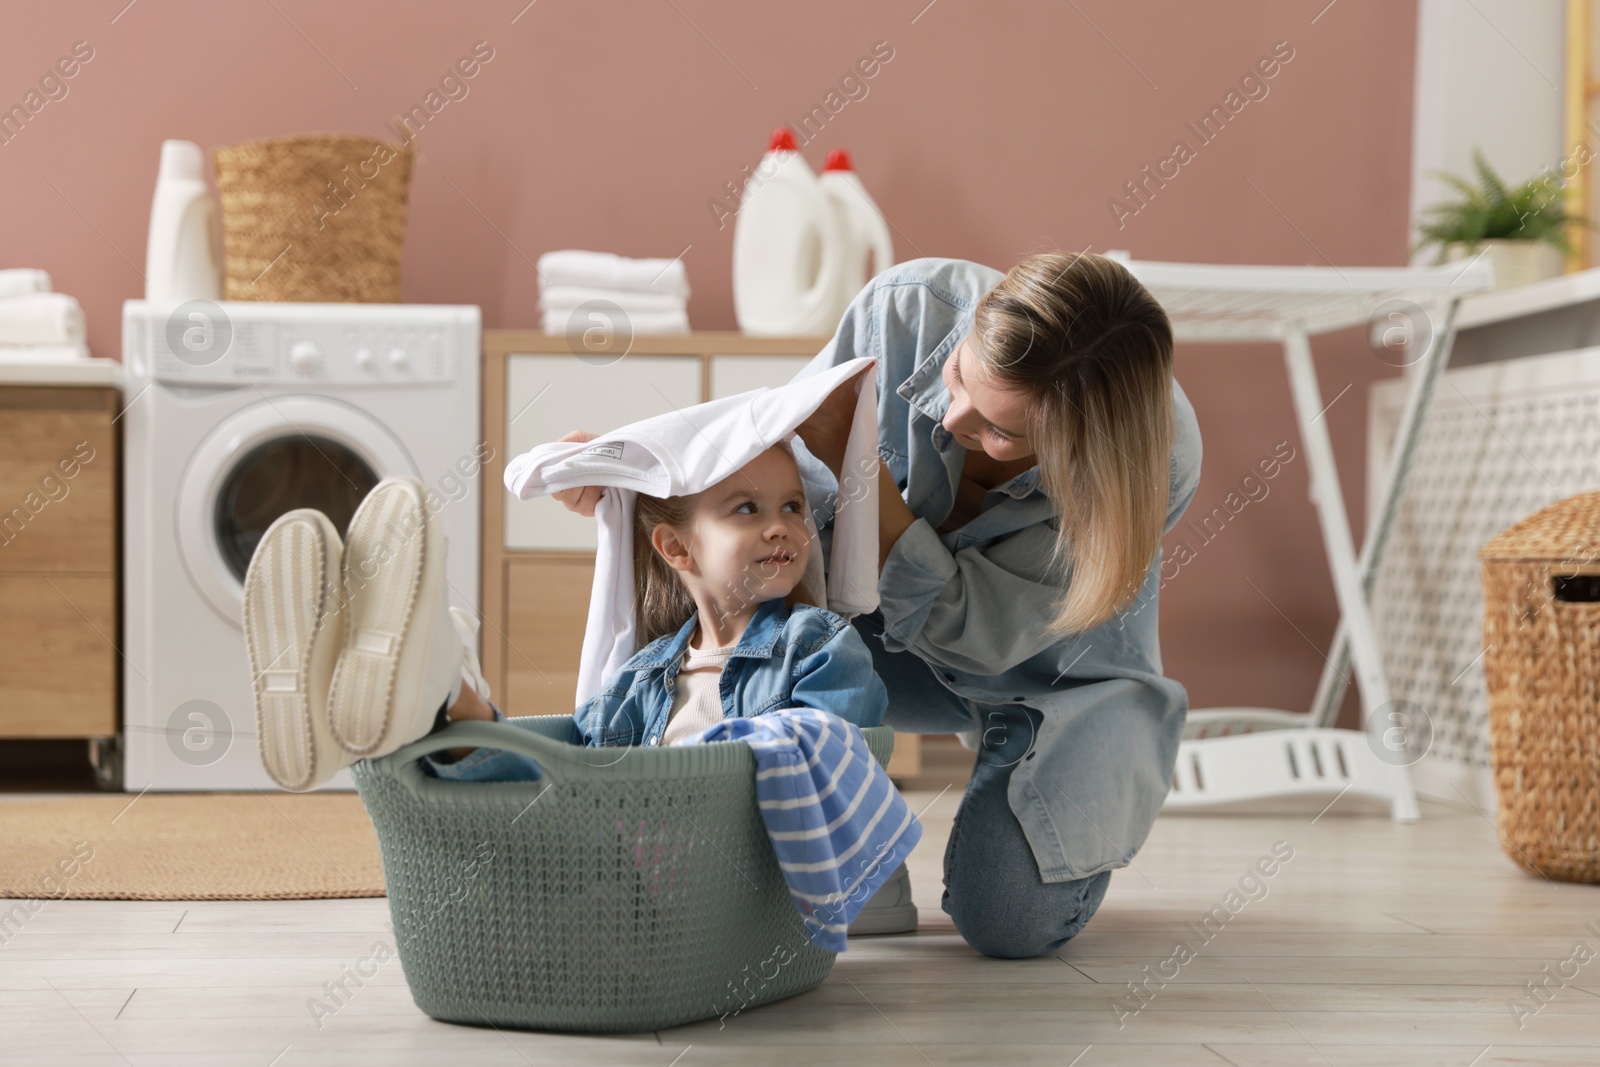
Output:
x=286 y=605
x=366 y=709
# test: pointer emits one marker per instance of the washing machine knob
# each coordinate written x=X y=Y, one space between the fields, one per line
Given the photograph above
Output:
x=365 y=358
x=398 y=357
x=305 y=356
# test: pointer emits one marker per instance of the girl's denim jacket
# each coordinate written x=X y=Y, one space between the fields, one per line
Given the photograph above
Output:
x=800 y=656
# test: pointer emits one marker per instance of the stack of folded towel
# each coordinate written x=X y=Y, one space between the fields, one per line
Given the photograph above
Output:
x=35 y=323
x=652 y=293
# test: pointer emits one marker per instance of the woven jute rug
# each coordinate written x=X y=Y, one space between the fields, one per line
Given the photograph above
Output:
x=189 y=846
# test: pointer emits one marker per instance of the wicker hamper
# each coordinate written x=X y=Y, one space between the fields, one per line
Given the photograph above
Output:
x=1541 y=635
x=319 y=218
x=629 y=889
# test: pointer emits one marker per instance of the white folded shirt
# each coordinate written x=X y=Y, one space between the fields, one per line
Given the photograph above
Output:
x=41 y=319
x=691 y=449
x=633 y=322
x=20 y=281
x=566 y=297
x=605 y=270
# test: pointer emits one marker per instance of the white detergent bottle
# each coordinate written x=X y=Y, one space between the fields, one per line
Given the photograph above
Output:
x=787 y=249
x=863 y=229
x=183 y=259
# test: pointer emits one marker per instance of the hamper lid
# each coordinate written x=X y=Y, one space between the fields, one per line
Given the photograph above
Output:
x=1567 y=531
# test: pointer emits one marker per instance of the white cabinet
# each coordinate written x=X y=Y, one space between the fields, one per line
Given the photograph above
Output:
x=548 y=395
x=740 y=374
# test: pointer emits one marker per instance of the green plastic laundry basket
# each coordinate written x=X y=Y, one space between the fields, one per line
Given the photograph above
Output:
x=630 y=888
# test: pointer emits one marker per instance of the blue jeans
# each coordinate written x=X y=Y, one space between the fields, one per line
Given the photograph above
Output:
x=993 y=891
x=482 y=764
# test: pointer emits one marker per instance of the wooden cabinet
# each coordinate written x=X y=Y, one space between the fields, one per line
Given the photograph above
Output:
x=538 y=558
x=546 y=607
x=58 y=562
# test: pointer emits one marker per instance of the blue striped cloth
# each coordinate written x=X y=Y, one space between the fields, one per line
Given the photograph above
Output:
x=838 y=825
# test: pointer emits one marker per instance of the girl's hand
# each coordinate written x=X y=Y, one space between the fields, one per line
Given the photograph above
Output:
x=582 y=500
x=827 y=431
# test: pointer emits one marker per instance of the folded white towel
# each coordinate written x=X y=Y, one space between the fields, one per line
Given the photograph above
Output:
x=43 y=353
x=41 y=319
x=572 y=266
x=639 y=322
x=21 y=281
x=567 y=297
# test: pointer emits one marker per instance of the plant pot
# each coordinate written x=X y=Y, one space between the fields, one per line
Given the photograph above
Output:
x=1515 y=262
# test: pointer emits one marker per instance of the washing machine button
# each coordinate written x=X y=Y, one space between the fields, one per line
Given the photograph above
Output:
x=305 y=357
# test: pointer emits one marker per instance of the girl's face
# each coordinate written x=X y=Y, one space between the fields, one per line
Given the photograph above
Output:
x=747 y=536
x=983 y=413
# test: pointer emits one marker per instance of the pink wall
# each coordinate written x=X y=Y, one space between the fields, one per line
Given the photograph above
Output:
x=995 y=130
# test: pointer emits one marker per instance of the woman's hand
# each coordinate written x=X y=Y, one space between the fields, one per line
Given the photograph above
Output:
x=827 y=430
x=581 y=500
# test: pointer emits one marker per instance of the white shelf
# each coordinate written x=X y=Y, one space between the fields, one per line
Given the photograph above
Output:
x=95 y=370
x=1576 y=288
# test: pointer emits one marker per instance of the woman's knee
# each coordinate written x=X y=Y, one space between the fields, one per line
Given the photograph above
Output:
x=1022 y=922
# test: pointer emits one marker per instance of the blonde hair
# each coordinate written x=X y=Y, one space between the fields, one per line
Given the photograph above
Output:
x=661 y=602
x=1092 y=351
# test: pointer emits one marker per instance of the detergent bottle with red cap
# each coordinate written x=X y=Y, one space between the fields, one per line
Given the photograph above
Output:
x=788 y=251
x=862 y=228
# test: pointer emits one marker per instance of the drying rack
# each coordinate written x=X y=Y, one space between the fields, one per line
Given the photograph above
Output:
x=1245 y=753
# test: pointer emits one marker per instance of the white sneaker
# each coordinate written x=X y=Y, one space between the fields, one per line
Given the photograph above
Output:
x=293 y=631
x=889 y=910
x=402 y=651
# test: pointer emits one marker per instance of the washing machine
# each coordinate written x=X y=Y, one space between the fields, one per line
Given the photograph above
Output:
x=234 y=413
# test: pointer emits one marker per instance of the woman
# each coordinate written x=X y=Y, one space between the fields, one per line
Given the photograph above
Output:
x=1041 y=449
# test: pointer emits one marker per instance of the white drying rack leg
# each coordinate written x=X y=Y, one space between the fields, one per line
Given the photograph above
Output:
x=1312 y=760
x=1329 y=500
x=1419 y=395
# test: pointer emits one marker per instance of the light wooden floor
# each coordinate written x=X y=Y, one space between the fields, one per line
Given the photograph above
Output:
x=1375 y=944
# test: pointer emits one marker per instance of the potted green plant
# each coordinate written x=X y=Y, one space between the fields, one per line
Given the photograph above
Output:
x=1522 y=229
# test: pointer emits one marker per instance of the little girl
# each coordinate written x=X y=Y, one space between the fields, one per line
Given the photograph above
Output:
x=728 y=629
x=355 y=654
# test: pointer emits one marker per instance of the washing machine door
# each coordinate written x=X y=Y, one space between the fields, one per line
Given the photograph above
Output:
x=284 y=453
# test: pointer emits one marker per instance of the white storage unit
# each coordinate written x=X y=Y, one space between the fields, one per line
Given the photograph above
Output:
x=1502 y=440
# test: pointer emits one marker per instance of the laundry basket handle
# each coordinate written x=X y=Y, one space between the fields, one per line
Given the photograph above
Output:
x=545 y=750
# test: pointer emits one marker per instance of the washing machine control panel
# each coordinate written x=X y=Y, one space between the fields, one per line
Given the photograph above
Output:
x=204 y=342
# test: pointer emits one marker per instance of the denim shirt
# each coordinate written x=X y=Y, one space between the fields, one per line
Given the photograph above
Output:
x=798 y=656
x=973 y=603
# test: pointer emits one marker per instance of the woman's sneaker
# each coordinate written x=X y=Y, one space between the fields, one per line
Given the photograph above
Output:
x=889 y=910
x=293 y=631
x=402 y=650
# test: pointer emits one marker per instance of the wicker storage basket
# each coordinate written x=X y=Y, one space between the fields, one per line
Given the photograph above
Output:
x=1541 y=635
x=316 y=217
x=628 y=889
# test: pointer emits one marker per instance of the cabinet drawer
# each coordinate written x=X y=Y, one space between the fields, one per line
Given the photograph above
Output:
x=731 y=375
x=547 y=607
x=548 y=395
x=58 y=666
x=58 y=468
